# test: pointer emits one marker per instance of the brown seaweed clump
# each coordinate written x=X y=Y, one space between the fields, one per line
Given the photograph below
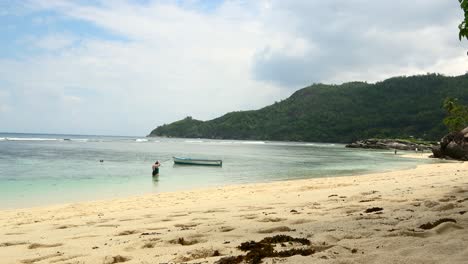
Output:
x=256 y=251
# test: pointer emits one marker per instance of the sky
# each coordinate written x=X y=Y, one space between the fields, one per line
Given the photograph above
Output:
x=123 y=67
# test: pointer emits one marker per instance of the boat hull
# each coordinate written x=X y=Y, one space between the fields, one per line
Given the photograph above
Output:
x=200 y=162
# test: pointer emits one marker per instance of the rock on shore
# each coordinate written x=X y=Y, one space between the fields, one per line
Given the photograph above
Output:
x=453 y=146
x=389 y=144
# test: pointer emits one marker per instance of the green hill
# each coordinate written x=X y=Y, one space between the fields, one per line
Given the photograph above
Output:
x=399 y=107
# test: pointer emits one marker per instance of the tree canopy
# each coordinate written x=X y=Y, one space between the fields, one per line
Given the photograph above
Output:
x=457 y=114
x=464 y=24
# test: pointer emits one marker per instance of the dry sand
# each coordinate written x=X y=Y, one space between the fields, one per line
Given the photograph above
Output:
x=192 y=226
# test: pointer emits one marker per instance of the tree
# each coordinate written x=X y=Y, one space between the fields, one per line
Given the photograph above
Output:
x=457 y=118
x=463 y=27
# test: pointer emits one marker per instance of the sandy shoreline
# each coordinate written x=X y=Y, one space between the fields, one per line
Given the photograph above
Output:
x=192 y=226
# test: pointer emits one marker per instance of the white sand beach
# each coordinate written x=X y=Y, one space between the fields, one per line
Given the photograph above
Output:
x=195 y=226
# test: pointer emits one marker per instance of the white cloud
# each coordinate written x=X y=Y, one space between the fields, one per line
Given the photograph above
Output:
x=169 y=60
x=369 y=39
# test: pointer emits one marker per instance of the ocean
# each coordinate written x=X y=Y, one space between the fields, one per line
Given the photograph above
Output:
x=46 y=169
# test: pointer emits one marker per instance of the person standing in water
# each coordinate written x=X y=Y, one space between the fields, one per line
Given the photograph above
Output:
x=156 y=168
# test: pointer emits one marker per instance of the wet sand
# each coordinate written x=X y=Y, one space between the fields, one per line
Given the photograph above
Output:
x=411 y=216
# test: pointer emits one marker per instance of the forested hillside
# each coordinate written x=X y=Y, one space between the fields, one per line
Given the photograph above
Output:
x=398 y=107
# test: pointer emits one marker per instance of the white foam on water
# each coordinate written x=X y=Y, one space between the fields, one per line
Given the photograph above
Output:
x=32 y=139
x=1 y=139
x=254 y=142
x=319 y=145
x=141 y=140
x=193 y=141
x=225 y=142
x=80 y=139
x=220 y=142
x=95 y=140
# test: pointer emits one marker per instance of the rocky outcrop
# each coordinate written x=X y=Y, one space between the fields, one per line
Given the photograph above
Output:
x=453 y=146
x=389 y=144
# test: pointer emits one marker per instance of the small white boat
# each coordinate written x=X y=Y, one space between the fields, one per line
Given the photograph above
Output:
x=189 y=161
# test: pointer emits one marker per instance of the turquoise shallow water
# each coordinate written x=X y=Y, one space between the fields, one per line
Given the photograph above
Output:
x=37 y=169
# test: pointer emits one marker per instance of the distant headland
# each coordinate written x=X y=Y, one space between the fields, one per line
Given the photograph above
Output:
x=399 y=107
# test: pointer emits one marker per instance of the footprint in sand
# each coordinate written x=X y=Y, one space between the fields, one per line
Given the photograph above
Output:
x=366 y=200
x=12 y=234
x=201 y=218
x=300 y=221
x=156 y=228
x=129 y=219
x=128 y=232
x=63 y=259
x=447 y=227
x=185 y=241
x=249 y=216
x=226 y=229
x=326 y=239
x=66 y=226
x=196 y=236
x=151 y=243
x=447 y=199
x=186 y=226
x=216 y=210
x=442 y=228
x=86 y=236
x=178 y=215
x=279 y=203
x=201 y=253
x=430 y=225
x=148 y=245
x=369 y=192
x=445 y=207
x=430 y=204
x=354 y=210
x=39 y=245
x=255 y=208
x=33 y=260
x=13 y=243
x=275 y=229
x=115 y=259
x=271 y=219
x=109 y=225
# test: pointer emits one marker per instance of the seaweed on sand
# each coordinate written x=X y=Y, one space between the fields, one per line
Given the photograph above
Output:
x=256 y=251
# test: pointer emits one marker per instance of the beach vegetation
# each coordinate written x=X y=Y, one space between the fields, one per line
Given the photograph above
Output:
x=418 y=141
x=457 y=114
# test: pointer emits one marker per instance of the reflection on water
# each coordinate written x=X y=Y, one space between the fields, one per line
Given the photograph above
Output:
x=155 y=180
